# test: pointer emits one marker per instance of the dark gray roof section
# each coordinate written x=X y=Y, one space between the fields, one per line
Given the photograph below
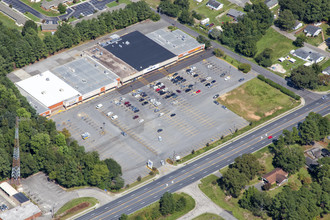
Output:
x=17 y=17
x=302 y=53
x=307 y=54
x=214 y=3
x=49 y=27
x=327 y=70
x=85 y=75
x=234 y=13
x=271 y=3
x=139 y=51
x=311 y=29
x=296 y=23
x=21 y=197
x=311 y=163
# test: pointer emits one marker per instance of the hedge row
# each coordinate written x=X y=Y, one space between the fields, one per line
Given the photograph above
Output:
x=279 y=87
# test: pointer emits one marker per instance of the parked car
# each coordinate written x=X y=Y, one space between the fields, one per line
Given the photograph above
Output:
x=203 y=80
x=216 y=102
x=178 y=91
x=141 y=99
x=124 y=134
x=216 y=96
x=159 y=130
x=207 y=84
x=175 y=74
x=195 y=75
x=187 y=90
x=222 y=74
x=213 y=81
x=144 y=103
x=241 y=80
x=135 y=116
x=224 y=107
x=198 y=91
x=99 y=106
x=172 y=115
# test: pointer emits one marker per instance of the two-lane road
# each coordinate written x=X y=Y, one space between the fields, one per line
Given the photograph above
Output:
x=204 y=166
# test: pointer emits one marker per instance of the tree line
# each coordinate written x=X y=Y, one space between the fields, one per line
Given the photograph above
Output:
x=42 y=147
x=307 y=202
x=18 y=49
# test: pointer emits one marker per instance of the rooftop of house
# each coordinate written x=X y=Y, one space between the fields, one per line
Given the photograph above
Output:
x=234 y=13
x=271 y=3
x=276 y=175
x=214 y=3
x=311 y=29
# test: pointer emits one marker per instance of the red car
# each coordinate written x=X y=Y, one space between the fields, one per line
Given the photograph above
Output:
x=125 y=103
x=135 y=117
x=198 y=91
x=157 y=89
x=270 y=137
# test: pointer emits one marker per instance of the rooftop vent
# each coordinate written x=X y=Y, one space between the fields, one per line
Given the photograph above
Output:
x=61 y=90
x=120 y=46
x=127 y=42
x=47 y=79
x=84 y=80
x=43 y=92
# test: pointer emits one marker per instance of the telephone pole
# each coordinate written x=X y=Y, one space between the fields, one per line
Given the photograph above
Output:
x=16 y=169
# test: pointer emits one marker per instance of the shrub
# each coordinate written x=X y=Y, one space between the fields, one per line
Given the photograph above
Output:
x=266 y=186
x=279 y=87
x=244 y=67
x=139 y=179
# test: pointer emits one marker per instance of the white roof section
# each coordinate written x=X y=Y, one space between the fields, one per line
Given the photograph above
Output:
x=8 y=188
x=20 y=212
x=47 y=88
x=176 y=41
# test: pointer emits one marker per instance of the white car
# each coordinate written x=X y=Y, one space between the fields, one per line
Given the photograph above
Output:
x=227 y=78
x=114 y=117
x=160 y=138
x=141 y=120
x=109 y=114
x=99 y=106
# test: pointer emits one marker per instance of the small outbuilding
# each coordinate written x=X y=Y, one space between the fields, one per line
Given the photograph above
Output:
x=281 y=59
x=215 y=5
x=297 y=25
x=326 y=71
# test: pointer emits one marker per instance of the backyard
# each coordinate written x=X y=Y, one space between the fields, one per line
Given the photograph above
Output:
x=256 y=100
x=316 y=41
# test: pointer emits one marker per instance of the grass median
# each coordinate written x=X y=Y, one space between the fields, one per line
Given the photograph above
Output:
x=75 y=206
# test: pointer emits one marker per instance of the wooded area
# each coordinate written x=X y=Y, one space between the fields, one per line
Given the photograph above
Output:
x=42 y=147
x=308 y=202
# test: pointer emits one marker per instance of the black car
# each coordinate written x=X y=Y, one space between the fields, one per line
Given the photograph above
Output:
x=162 y=93
x=178 y=91
x=207 y=84
x=175 y=81
x=143 y=94
x=195 y=75
x=145 y=103
x=188 y=70
x=141 y=99
x=178 y=77
x=136 y=110
x=187 y=90
x=159 y=130
x=172 y=115
x=216 y=102
x=173 y=94
x=213 y=81
x=203 y=80
x=215 y=96
x=222 y=74
x=168 y=96
x=241 y=80
x=190 y=86
x=183 y=80
x=175 y=74
x=157 y=84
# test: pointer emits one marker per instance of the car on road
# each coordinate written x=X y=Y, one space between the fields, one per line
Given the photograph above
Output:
x=195 y=75
x=216 y=96
x=203 y=80
x=216 y=102
x=135 y=116
x=187 y=90
x=241 y=80
x=213 y=81
x=198 y=91
x=124 y=134
x=172 y=115
x=178 y=91
x=270 y=137
x=160 y=138
x=159 y=130
x=99 y=106
x=224 y=107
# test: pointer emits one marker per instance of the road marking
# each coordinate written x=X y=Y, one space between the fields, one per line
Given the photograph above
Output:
x=228 y=160
x=133 y=194
x=155 y=197
x=145 y=188
x=205 y=171
x=142 y=203
x=193 y=178
x=129 y=209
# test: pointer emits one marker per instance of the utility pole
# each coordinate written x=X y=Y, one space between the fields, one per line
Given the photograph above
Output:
x=16 y=169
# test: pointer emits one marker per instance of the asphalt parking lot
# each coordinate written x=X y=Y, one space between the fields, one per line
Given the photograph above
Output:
x=83 y=9
x=131 y=142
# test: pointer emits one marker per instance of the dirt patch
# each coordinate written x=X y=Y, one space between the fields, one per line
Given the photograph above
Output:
x=277 y=68
x=74 y=209
x=273 y=111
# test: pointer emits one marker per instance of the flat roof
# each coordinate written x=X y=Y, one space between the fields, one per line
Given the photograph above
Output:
x=20 y=212
x=38 y=106
x=47 y=88
x=176 y=41
x=8 y=188
x=21 y=197
x=139 y=51
x=85 y=75
x=111 y=62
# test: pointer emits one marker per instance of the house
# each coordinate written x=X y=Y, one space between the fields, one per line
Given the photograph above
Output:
x=281 y=59
x=310 y=163
x=271 y=3
x=49 y=27
x=327 y=42
x=312 y=31
x=235 y=14
x=297 y=25
x=277 y=176
x=199 y=1
x=47 y=5
x=308 y=55
x=215 y=5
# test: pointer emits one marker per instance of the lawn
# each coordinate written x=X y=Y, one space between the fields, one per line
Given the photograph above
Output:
x=208 y=216
x=147 y=211
x=265 y=158
x=215 y=193
x=316 y=41
x=8 y=22
x=113 y=4
x=287 y=65
x=32 y=17
x=84 y=202
x=280 y=45
x=153 y=3
x=255 y=100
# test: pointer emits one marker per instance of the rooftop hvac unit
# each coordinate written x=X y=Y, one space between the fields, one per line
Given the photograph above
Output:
x=127 y=42
x=61 y=90
x=120 y=46
x=43 y=92
x=95 y=65
x=84 y=80
x=47 y=79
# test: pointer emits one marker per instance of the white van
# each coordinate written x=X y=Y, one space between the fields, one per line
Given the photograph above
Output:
x=99 y=106
x=208 y=78
x=109 y=114
x=114 y=117
x=141 y=120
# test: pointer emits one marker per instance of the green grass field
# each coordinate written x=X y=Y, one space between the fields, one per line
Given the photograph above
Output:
x=147 y=211
x=31 y=16
x=256 y=100
x=215 y=193
x=9 y=22
x=92 y=201
x=113 y=4
x=153 y=3
x=208 y=216
x=280 y=45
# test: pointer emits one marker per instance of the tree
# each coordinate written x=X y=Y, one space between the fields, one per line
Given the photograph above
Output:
x=29 y=24
x=5 y=165
x=218 y=52
x=247 y=47
x=328 y=31
x=290 y=159
x=285 y=20
x=167 y=204
x=123 y=217
x=203 y=40
x=304 y=77
x=61 y=8
x=183 y=4
x=114 y=168
x=180 y=204
x=185 y=18
x=257 y=202
x=244 y=67
x=169 y=9
x=199 y=17
x=265 y=58
x=248 y=165
x=299 y=41
x=233 y=181
x=214 y=34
